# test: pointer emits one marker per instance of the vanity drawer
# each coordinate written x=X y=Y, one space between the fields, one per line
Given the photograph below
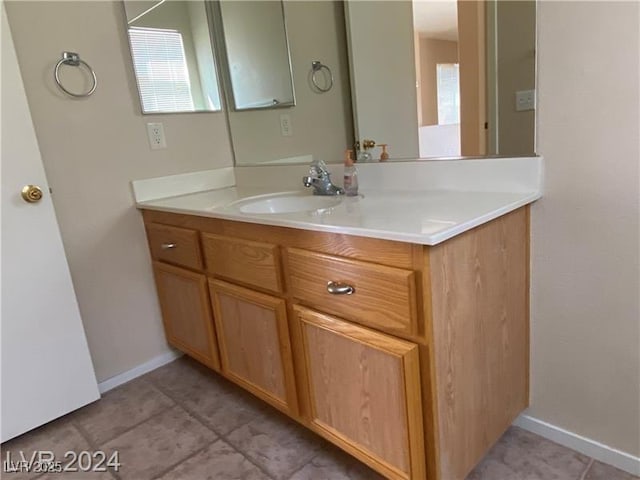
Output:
x=245 y=261
x=383 y=297
x=179 y=246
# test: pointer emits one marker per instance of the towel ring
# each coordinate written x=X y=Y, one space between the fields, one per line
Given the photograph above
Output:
x=73 y=60
x=317 y=66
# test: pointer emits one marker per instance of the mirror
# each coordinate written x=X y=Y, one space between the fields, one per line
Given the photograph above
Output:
x=426 y=78
x=415 y=79
x=257 y=54
x=320 y=125
x=175 y=65
x=172 y=56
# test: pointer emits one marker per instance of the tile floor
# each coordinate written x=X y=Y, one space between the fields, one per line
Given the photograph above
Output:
x=183 y=422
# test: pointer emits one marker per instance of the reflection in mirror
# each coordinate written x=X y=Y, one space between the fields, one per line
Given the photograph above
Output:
x=172 y=56
x=257 y=53
x=320 y=125
x=414 y=78
x=427 y=78
x=452 y=75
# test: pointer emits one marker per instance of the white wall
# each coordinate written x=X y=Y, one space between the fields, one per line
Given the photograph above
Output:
x=91 y=149
x=585 y=252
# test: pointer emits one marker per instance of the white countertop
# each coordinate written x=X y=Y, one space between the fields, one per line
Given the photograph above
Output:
x=438 y=200
x=426 y=218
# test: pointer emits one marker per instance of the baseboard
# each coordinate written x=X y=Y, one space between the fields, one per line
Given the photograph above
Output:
x=603 y=453
x=139 y=370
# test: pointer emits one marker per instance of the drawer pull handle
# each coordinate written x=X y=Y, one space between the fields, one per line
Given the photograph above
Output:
x=168 y=246
x=337 y=288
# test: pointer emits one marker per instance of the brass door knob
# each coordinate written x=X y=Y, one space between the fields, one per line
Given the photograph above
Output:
x=31 y=193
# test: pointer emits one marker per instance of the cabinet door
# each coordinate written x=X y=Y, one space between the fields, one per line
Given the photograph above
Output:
x=186 y=312
x=364 y=393
x=255 y=351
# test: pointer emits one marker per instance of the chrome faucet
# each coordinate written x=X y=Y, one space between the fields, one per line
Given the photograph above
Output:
x=320 y=179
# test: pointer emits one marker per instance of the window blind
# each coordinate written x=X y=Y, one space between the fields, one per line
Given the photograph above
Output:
x=161 y=69
x=448 y=93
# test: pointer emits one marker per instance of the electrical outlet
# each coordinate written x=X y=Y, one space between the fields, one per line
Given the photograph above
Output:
x=525 y=100
x=155 y=132
x=286 y=130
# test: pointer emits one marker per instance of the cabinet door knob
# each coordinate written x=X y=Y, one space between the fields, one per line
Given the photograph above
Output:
x=339 y=288
x=168 y=246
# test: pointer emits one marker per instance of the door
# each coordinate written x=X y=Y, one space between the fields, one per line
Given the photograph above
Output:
x=45 y=365
x=473 y=90
x=186 y=312
x=254 y=342
x=383 y=75
x=364 y=393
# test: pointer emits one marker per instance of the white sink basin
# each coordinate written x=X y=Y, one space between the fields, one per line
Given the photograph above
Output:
x=287 y=202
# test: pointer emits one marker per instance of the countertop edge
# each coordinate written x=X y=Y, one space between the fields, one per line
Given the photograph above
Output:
x=421 y=239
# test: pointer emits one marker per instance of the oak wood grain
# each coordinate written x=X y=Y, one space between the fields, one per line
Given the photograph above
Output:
x=374 y=250
x=385 y=297
x=245 y=261
x=186 y=312
x=364 y=388
x=254 y=342
x=186 y=250
x=465 y=305
x=480 y=338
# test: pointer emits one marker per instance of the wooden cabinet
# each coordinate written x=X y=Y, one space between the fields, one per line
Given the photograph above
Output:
x=382 y=297
x=179 y=246
x=416 y=369
x=254 y=342
x=364 y=393
x=186 y=312
x=252 y=263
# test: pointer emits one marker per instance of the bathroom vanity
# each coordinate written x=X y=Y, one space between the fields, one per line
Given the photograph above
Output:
x=410 y=355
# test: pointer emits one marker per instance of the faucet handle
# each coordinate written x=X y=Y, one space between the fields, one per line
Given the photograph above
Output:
x=318 y=167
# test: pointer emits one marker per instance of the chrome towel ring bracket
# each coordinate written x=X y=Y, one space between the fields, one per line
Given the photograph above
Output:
x=316 y=68
x=74 y=60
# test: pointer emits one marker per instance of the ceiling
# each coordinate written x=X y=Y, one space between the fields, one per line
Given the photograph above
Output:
x=436 y=19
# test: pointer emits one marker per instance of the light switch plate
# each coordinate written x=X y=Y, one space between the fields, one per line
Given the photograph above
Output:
x=155 y=132
x=525 y=100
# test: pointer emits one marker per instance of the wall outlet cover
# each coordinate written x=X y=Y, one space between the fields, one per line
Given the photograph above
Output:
x=155 y=132
x=286 y=130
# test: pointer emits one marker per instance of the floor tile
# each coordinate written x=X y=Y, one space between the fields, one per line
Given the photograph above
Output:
x=159 y=443
x=334 y=464
x=276 y=443
x=59 y=437
x=120 y=409
x=218 y=462
x=521 y=455
x=78 y=476
x=222 y=405
x=601 y=471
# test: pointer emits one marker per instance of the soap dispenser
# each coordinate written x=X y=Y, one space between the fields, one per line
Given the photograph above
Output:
x=350 y=175
x=364 y=154
x=384 y=155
